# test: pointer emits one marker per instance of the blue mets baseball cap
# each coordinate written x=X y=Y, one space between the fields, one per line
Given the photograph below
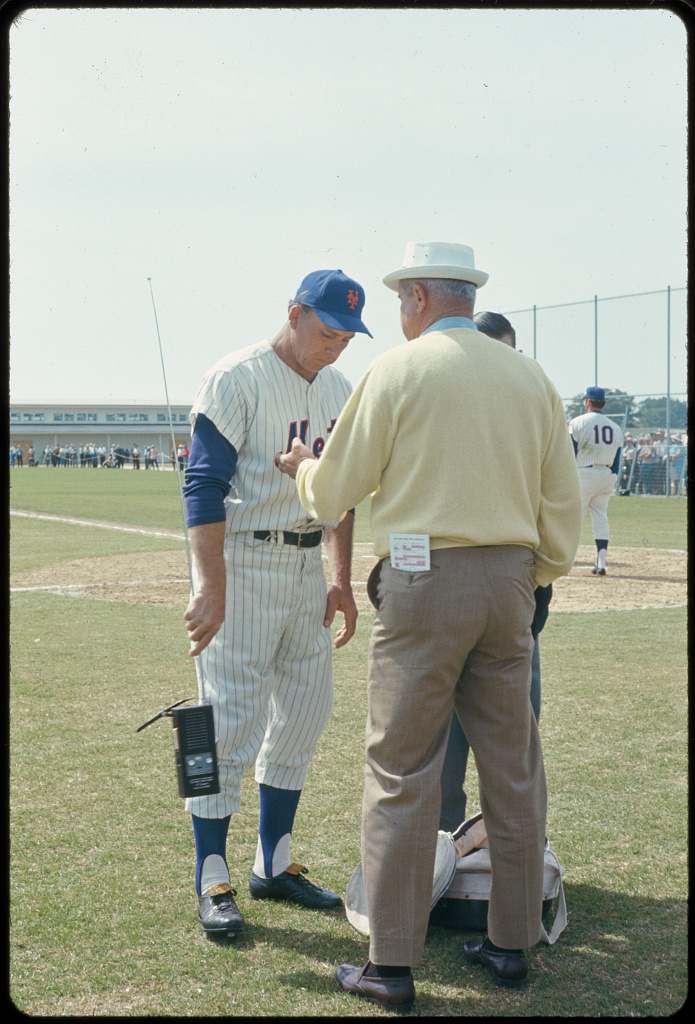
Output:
x=595 y=394
x=335 y=298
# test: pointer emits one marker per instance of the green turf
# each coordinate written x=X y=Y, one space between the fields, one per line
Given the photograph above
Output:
x=37 y=542
x=644 y=522
x=102 y=854
x=152 y=499
x=634 y=522
x=147 y=499
x=125 y=496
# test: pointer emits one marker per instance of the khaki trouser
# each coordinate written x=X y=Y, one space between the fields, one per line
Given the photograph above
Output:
x=458 y=637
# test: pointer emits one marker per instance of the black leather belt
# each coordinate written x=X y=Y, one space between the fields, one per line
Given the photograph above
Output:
x=300 y=540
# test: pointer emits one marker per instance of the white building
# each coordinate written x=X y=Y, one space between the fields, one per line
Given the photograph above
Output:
x=99 y=424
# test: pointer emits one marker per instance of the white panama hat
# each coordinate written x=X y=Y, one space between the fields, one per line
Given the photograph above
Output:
x=444 y=871
x=437 y=259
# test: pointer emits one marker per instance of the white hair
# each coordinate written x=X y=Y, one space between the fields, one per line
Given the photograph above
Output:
x=438 y=286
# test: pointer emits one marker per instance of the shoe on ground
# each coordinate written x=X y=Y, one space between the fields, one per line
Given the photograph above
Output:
x=217 y=911
x=383 y=991
x=598 y=572
x=508 y=968
x=292 y=887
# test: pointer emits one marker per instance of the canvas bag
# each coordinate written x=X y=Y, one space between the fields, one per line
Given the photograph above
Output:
x=444 y=870
x=464 y=904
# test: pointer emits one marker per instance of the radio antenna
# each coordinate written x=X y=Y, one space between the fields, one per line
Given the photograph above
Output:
x=173 y=441
x=194 y=727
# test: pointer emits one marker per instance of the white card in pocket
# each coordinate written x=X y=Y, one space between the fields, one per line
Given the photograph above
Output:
x=410 y=551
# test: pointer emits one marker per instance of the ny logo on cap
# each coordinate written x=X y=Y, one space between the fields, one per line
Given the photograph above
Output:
x=353 y=298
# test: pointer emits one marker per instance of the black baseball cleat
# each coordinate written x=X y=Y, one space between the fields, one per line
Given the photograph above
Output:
x=217 y=911
x=292 y=887
x=598 y=572
x=508 y=966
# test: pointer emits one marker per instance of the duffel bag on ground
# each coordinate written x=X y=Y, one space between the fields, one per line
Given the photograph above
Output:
x=444 y=870
x=464 y=904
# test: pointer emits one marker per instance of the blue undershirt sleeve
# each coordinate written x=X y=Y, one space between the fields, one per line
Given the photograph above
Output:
x=576 y=446
x=616 y=461
x=211 y=466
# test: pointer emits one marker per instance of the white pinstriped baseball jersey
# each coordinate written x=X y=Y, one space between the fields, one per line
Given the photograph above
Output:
x=260 y=404
x=598 y=439
x=268 y=672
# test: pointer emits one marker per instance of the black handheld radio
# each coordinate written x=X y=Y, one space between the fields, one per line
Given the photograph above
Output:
x=194 y=747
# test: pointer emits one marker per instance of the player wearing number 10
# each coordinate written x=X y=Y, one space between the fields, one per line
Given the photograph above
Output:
x=597 y=442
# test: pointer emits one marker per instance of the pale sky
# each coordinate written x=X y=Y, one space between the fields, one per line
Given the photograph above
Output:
x=228 y=152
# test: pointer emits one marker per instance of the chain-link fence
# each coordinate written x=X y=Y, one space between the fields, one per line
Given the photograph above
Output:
x=632 y=343
x=654 y=468
x=623 y=340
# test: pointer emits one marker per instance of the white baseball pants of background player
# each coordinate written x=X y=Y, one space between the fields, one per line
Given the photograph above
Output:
x=268 y=672
x=597 y=484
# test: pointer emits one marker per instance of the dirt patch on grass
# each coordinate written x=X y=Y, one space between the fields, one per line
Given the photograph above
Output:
x=635 y=578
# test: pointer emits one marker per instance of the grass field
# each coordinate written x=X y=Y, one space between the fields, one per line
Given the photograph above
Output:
x=152 y=500
x=102 y=854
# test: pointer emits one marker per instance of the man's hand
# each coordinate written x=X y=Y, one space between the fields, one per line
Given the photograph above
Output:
x=204 y=616
x=289 y=463
x=338 y=548
x=543 y=597
x=340 y=599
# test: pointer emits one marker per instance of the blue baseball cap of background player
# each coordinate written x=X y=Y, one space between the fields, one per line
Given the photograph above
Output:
x=595 y=394
x=335 y=298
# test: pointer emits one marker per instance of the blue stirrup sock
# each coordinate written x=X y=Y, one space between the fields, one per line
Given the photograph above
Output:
x=278 y=808
x=601 y=547
x=210 y=847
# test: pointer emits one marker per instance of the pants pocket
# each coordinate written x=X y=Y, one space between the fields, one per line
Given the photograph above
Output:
x=373 y=584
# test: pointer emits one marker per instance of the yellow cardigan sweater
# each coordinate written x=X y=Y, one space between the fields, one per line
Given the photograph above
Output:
x=460 y=437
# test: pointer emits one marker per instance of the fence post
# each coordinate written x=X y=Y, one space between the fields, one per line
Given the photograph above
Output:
x=668 y=385
x=534 y=332
x=683 y=476
x=596 y=340
x=622 y=453
x=632 y=470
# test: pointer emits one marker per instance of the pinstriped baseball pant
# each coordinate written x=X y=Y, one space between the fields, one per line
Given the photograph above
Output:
x=268 y=673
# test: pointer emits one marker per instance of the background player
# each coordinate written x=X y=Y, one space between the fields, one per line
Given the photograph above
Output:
x=454 y=798
x=260 y=612
x=597 y=442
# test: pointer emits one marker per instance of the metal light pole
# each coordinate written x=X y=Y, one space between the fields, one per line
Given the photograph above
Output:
x=596 y=340
x=668 y=391
x=668 y=362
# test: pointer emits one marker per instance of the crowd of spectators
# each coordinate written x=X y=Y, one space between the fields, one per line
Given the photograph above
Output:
x=91 y=456
x=651 y=463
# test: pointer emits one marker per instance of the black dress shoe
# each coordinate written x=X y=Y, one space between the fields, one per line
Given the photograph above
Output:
x=292 y=887
x=509 y=968
x=383 y=991
x=217 y=911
